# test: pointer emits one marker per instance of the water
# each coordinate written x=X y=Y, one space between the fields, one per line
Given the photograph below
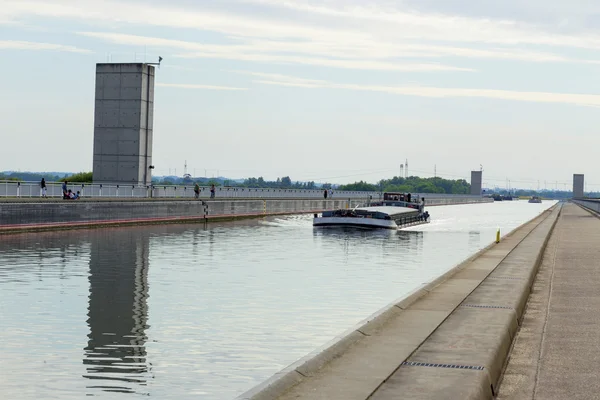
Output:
x=189 y=312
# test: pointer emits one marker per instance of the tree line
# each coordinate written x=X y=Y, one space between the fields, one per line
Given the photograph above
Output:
x=83 y=177
x=283 y=183
x=412 y=184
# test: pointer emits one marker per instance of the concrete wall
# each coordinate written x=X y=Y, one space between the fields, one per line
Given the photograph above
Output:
x=92 y=211
x=123 y=123
x=30 y=214
x=578 y=183
x=593 y=205
x=476 y=182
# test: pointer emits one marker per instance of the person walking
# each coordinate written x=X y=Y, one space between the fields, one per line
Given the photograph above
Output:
x=212 y=191
x=325 y=194
x=196 y=190
x=43 y=186
x=64 y=190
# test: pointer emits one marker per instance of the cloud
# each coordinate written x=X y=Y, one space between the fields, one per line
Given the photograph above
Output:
x=286 y=80
x=437 y=26
x=340 y=29
x=36 y=46
x=262 y=51
x=434 y=92
x=198 y=86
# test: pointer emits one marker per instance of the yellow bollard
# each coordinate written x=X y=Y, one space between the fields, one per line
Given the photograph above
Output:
x=498 y=236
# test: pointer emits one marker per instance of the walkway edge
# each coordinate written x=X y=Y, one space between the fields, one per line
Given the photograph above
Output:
x=290 y=376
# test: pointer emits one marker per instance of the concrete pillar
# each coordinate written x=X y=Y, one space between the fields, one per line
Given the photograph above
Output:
x=476 y=182
x=123 y=123
x=578 y=182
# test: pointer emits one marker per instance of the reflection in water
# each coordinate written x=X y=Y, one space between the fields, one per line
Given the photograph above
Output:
x=118 y=312
x=351 y=239
x=474 y=239
x=412 y=240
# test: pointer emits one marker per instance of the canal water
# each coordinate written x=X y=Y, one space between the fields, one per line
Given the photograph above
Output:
x=193 y=311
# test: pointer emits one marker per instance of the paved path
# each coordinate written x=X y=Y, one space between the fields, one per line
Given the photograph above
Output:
x=556 y=354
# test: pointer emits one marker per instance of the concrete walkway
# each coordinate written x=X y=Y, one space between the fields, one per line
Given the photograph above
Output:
x=556 y=353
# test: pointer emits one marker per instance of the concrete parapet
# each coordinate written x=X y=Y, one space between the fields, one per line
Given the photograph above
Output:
x=46 y=214
x=72 y=214
x=448 y=339
x=590 y=204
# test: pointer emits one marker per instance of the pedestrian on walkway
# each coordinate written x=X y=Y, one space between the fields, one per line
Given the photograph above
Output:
x=43 y=186
x=65 y=190
x=325 y=194
x=196 y=190
x=212 y=191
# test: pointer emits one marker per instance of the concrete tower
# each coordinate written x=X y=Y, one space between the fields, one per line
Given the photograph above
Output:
x=123 y=123
x=476 y=180
x=578 y=186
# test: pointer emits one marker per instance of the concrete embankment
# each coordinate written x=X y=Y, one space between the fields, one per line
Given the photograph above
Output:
x=448 y=340
x=47 y=214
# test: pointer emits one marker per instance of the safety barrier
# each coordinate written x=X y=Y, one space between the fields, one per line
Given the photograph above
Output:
x=591 y=204
x=88 y=190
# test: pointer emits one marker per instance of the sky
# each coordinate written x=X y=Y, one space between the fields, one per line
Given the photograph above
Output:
x=330 y=90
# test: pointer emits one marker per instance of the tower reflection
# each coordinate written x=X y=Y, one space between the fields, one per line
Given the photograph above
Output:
x=115 y=356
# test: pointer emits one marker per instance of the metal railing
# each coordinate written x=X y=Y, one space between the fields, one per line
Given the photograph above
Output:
x=88 y=190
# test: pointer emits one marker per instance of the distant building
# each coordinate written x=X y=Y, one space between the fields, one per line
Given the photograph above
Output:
x=578 y=185
x=123 y=122
x=476 y=182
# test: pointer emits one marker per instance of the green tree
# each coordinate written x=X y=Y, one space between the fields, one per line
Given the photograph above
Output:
x=359 y=186
x=286 y=182
x=83 y=177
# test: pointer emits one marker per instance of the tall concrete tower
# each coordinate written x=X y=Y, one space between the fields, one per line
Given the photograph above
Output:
x=476 y=182
x=578 y=182
x=123 y=123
